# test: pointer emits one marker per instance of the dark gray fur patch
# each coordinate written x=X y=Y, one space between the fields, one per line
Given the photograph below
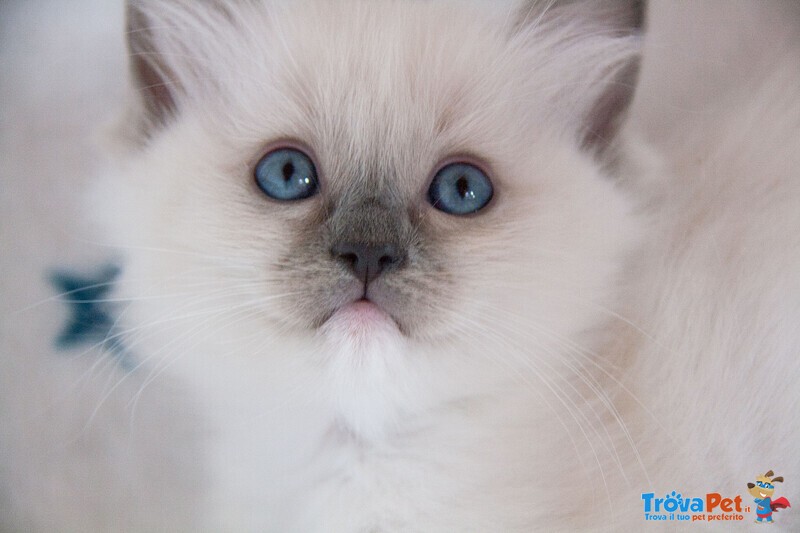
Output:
x=368 y=211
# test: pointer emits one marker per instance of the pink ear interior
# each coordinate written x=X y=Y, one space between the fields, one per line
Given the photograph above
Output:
x=611 y=19
x=150 y=74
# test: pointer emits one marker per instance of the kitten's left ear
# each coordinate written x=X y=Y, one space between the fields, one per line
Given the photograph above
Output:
x=172 y=44
x=597 y=43
x=152 y=75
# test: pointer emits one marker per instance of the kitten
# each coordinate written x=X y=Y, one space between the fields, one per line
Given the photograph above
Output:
x=381 y=250
x=376 y=229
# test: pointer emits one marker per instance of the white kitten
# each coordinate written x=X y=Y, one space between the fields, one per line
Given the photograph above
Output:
x=388 y=413
x=378 y=249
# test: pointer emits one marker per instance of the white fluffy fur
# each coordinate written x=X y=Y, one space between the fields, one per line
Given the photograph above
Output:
x=601 y=343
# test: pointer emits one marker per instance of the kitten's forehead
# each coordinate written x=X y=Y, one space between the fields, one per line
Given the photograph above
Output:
x=381 y=90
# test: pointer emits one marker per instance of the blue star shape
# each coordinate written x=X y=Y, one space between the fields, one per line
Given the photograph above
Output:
x=92 y=319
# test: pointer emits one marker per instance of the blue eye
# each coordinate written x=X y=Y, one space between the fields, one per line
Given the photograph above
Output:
x=460 y=189
x=287 y=174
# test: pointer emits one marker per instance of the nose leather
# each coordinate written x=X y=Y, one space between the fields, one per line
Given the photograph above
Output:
x=368 y=261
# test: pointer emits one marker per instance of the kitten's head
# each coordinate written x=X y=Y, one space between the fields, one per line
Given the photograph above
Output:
x=420 y=178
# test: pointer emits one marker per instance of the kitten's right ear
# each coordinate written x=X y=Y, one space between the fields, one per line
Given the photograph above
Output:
x=598 y=42
x=155 y=84
x=616 y=17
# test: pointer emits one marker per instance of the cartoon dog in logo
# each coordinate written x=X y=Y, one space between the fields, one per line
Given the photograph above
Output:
x=762 y=490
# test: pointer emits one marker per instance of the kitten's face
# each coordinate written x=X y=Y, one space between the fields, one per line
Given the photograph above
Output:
x=380 y=97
